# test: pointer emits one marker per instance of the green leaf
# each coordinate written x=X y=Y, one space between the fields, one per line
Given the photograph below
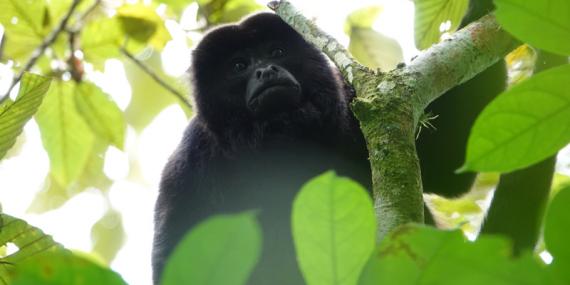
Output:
x=23 y=21
x=50 y=198
x=334 y=230
x=100 y=40
x=14 y=115
x=67 y=139
x=226 y=11
x=523 y=125
x=430 y=14
x=221 y=250
x=556 y=226
x=29 y=240
x=556 y=234
x=374 y=49
x=418 y=255
x=54 y=195
x=144 y=25
x=64 y=268
x=101 y=114
x=58 y=9
x=108 y=235
x=544 y=24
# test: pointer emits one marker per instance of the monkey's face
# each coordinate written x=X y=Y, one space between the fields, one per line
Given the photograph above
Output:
x=269 y=87
x=257 y=71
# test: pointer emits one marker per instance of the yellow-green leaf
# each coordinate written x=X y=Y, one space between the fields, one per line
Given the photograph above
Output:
x=100 y=40
x=362 y=18
x=66 y=137
x=144 y=25
x=54 y=195
x=225 y=11
x=108 y=235
x=14 y=115
x=431 y=14
x=23 y=24
x=101 y=113
x=374 y=49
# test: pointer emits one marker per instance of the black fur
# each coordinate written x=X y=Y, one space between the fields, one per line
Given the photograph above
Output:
x=230 y=160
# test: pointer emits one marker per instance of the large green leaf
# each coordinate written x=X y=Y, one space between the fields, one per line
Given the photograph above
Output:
x=66 y=137
x=430 y=14
x=23 y=21
x=334 y=229
x=422 y=255
x=101 y=113
x=29 y=240
x=14 y=115
x=221 y=250
x=544 y=24
x=523 y=125
x=64 y=268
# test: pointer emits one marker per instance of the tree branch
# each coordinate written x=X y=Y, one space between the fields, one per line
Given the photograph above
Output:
x=389 y=105
x=156 y=78
x=467 y=53
x=48 y=41
x=324 y=42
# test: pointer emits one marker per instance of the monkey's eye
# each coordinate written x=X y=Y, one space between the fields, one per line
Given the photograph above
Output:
x=277 y=52
x=239 y=66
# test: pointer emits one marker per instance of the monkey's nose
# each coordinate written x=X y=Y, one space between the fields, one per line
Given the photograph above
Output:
x=268 y=72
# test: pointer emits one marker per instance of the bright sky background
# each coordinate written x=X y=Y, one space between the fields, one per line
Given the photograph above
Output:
x=22 y=176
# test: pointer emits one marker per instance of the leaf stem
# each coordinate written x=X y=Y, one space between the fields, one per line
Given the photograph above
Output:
x=156 y=78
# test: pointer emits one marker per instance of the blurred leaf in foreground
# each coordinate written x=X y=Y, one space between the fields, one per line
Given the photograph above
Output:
x=334 y=229
x=414 y=254
x=221 y=250
x=28 y=242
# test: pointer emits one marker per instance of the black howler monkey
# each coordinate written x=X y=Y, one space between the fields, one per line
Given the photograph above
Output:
x=271 y=114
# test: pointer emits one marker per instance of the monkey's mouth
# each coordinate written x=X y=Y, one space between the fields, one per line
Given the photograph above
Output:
x=275 y=96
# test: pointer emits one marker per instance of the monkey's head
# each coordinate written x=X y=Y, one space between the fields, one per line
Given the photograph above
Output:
x=259 y=71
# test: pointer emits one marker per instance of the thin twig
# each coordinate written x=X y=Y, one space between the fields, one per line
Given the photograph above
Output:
x=48 y=41
x=83 y=16
x=156 y=78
